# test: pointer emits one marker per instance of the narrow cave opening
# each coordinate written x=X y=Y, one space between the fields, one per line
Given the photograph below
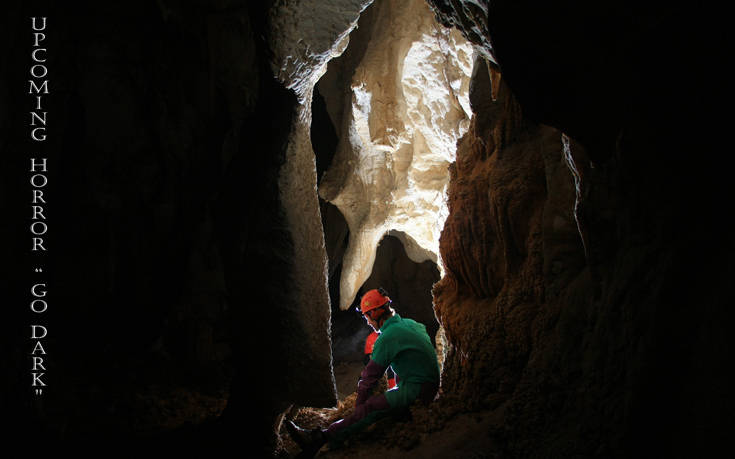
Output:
x=385 y=120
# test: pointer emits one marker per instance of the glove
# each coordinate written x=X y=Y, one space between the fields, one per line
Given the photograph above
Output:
x=368 y=379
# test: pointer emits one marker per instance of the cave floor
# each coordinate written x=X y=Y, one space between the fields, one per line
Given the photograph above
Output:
x=463 y=435
x=439 y=431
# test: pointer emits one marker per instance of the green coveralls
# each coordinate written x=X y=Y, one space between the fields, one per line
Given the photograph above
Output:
x=404 y=345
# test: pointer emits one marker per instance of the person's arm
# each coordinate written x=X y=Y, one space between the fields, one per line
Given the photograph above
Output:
x=369 y=377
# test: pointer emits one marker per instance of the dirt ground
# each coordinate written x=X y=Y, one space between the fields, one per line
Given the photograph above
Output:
x=440 y=430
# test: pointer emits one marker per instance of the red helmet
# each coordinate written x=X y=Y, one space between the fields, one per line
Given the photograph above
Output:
x=373 y=299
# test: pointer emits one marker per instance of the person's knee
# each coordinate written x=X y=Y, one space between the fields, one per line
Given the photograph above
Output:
x=377 y=402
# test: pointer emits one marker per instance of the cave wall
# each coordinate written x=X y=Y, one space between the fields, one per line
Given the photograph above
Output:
x=493 y=243
x=599 y=331
x=175 y=318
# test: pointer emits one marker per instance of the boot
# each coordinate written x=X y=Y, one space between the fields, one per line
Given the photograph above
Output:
x=309 y=440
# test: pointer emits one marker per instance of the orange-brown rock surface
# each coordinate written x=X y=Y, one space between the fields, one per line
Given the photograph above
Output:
x=493 y=244
x=587 y=309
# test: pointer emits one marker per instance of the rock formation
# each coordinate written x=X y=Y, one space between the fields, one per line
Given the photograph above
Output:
x=398 y=100
x=318 y=31
x=569 y=275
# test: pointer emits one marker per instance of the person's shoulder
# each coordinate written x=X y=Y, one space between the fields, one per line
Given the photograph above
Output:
x=386 y=340
x=391 y=329
x=407 y=322
x=414 y=326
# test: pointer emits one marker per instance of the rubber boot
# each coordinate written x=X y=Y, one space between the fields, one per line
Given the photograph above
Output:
x=309 y=440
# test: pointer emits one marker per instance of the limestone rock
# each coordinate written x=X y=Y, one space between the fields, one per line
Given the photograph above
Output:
x=400 y=119
x=306 y=35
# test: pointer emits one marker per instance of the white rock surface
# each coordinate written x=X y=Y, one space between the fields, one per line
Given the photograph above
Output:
x=307 y=34
x=408 y=106
x=310 y=33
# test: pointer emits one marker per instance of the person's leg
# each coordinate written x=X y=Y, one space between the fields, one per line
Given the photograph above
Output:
x=403 y=396
x=373 y=409
x=310 y=440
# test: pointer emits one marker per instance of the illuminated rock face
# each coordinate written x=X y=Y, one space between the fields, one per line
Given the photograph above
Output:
x=398 y=121
x=309 y=33
x=306 y=35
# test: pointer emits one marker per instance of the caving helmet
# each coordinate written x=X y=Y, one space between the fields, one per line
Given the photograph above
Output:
x=372 y=303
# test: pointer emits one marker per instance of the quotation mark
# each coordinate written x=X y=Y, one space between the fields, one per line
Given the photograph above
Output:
x=39 y=391
x=39 y=270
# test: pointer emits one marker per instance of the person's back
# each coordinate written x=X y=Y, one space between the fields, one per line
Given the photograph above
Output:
x=405 y=346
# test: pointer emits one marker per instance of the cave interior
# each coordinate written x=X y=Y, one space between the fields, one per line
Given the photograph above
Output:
x=543 y=184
